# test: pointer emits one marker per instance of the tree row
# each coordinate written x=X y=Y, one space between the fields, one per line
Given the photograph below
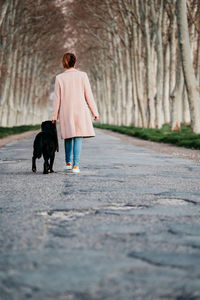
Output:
x=143 y=58
x=31 y=45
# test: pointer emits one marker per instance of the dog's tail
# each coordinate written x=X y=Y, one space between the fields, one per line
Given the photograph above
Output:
x=37 y=146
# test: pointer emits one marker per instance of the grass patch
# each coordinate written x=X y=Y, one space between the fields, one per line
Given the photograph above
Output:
x=183 y=138
x=5 y=131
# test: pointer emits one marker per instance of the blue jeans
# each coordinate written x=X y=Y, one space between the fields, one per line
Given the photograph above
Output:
x=74 y=144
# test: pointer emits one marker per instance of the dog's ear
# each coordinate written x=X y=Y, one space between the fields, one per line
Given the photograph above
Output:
x=42 y=125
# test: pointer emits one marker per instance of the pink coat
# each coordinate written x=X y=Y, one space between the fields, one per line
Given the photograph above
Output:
x=72 y=98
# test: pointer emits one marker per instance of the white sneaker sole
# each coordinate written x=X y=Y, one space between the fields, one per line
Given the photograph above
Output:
x=68 y=168
x=76 y=170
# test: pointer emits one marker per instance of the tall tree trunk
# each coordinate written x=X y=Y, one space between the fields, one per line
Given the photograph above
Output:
x=188 y=70
x=160 y=66
x=166 y=106
x=177 y=95
x=186 y=119
x=3 y=11
x=149 y=71
x=137 y=86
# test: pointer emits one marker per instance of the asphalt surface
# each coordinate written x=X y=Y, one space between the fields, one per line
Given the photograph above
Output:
x=126 y=227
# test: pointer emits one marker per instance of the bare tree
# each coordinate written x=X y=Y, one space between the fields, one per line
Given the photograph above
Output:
x=31 y=46
x=141 y=64
x=188 y=70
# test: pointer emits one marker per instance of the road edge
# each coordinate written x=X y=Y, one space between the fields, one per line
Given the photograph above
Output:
x=181 y=152
x=16 y=137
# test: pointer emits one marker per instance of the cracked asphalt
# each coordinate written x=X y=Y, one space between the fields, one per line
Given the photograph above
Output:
x=126 y=227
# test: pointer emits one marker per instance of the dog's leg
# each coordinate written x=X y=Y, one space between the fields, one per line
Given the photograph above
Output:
x=34 y=164
x=45 y=171
x=46 y=164
x=48 y=167
x=51 y=163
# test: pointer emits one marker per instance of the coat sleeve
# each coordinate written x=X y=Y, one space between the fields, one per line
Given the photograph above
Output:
x=89 y=97
x=56 y=101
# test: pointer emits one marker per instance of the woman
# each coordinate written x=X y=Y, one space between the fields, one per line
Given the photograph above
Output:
x=72 y=98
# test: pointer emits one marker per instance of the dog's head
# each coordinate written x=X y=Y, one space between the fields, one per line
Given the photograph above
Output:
x=48 y=126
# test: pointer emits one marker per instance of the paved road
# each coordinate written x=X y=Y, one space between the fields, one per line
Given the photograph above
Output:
x=126 y=227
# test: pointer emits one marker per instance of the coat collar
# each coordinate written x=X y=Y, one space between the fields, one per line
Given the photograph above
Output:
x=69 y=70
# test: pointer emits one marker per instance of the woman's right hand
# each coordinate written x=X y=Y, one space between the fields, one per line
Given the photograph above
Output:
x=95 y=118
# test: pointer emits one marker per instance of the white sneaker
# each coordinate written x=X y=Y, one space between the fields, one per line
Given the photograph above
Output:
x=68 y=166
x=76 y=169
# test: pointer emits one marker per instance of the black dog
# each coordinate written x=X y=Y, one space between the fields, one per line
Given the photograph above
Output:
x=46 y=144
